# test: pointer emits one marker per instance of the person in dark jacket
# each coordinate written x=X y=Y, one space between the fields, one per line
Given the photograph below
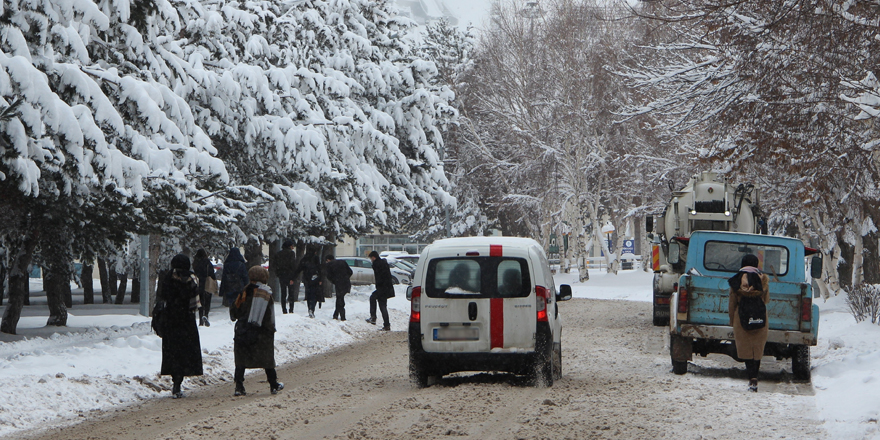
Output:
x=384 y=290
x=310 y=268
x=254 y=340
x=339 y=273
x=234 y=276
x=181 y=348
x=285 y=269
x=204 y=269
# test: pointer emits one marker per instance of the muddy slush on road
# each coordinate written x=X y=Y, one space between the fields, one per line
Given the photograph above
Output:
x=616 y=384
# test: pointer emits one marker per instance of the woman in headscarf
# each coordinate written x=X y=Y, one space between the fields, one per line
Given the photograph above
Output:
x=181 y=348
x=749 y=290
x=311 y=279
x=204 y=269
x=254 y=340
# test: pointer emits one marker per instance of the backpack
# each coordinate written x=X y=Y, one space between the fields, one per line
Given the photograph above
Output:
x=752 y=312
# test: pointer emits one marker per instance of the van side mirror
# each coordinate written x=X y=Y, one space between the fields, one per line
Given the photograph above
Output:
x=409 y=293
x=816 y=267
x=564 y=293
x=649 y=223
x=674 y=255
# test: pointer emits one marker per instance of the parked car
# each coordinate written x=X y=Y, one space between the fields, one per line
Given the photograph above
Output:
x=362 y=271
x=485 y=304
x=402 y=265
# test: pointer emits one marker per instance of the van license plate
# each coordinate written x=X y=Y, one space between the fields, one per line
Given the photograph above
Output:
x=457 y=334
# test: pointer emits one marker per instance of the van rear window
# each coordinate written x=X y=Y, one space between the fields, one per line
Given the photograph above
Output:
x=478 y=277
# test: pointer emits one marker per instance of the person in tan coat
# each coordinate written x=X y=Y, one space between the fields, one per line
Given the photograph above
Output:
x=749 y=282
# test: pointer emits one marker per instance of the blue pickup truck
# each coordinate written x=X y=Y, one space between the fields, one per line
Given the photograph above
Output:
x=699 y=320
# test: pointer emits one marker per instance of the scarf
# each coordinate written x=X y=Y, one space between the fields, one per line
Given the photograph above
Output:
x=748 y=278
x=262 y=296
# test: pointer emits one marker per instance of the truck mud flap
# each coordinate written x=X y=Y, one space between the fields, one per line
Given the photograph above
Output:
x=680 y=348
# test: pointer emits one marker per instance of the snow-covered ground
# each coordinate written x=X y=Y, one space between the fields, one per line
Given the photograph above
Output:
x=51 y=380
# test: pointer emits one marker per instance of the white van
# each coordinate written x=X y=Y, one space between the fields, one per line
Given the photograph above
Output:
x=485 y=304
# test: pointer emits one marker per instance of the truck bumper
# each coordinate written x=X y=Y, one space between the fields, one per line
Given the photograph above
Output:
x=725 y=332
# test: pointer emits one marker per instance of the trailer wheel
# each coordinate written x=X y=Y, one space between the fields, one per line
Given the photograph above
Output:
x=800 y=363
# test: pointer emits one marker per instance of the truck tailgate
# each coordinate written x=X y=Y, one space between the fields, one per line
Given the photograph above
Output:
x=708 y=302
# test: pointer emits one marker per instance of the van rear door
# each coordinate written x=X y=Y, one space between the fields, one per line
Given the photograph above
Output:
x=477 y=304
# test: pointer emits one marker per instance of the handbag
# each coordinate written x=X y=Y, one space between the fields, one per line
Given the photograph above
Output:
x=159 y=317
x=211 y=286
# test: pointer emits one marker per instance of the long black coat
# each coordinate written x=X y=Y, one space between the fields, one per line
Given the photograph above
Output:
x=384 y=282
x=203 y=268
x=181 y=348
x=235 y=276
x=260 y=354
x=339 y=273
x=285 y=263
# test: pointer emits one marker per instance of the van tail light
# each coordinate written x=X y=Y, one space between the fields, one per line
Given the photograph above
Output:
x=416 y=305
x=806 y=309
x=682 y=300
x=541 y=297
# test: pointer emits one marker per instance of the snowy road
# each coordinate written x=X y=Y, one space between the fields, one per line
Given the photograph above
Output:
x=617 y=384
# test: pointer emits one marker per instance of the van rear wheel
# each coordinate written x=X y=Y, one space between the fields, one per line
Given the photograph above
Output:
x=417 y=374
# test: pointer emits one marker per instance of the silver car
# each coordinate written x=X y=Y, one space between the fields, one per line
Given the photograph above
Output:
x=362 y=272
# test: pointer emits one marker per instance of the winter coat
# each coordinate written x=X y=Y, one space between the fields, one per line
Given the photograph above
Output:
x=749 y=343
x=285 y=263
x=384 y=282
x=260 y=353
x=181 y=348
x=235 y=276
x=311 y=271
x=339 y=273
x=203 y=268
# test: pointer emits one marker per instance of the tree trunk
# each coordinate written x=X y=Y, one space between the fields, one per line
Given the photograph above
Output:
x=858 y=261
x=135 y=289
x=2 y=275
x=253 y=253
x=54 y=279
x=120 y=291
x=112 y=277
x=845 y=262
x=274 y=248
x=105 y=280
x=88 y=288
x=21 y=253
x=152 y=289
x=871 y=266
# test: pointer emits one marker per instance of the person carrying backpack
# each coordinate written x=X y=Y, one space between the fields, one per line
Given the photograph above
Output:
x=747 y=307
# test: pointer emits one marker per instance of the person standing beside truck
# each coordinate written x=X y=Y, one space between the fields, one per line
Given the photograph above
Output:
x=749 y=295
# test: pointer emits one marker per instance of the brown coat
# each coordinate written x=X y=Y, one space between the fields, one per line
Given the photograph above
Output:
x=749 y=343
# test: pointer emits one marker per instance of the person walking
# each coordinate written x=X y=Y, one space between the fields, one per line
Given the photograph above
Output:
x=339 y=273
x=384 y=290
x=234 y=277
x=181 y=348
x=285 y=269
x=749 y=296
x=254 y=340
x=311 y=271
x=204 y=269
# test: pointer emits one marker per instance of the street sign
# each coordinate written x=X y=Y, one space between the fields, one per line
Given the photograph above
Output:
x=554 y=244
x=629 y=246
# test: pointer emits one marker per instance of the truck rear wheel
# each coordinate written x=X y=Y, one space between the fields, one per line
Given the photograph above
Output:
x=800 y=363
x=679 y=367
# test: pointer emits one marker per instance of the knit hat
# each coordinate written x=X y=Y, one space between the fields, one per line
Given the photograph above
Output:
x=180 y=261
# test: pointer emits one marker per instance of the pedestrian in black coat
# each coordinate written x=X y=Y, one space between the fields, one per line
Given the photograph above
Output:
x=311 y=270
x=339 y=273
x=234 y=278
x=285 y=269
x=384 y=290
x=181 y=349
x=204 y=269
x=254 y=313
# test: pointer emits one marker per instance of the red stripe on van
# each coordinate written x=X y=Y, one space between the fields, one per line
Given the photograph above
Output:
x=494 y=250
x=496 y=321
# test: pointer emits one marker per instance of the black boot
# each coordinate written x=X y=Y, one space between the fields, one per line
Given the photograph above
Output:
x=274 y=388
x=239 y=389
x=175 y=391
